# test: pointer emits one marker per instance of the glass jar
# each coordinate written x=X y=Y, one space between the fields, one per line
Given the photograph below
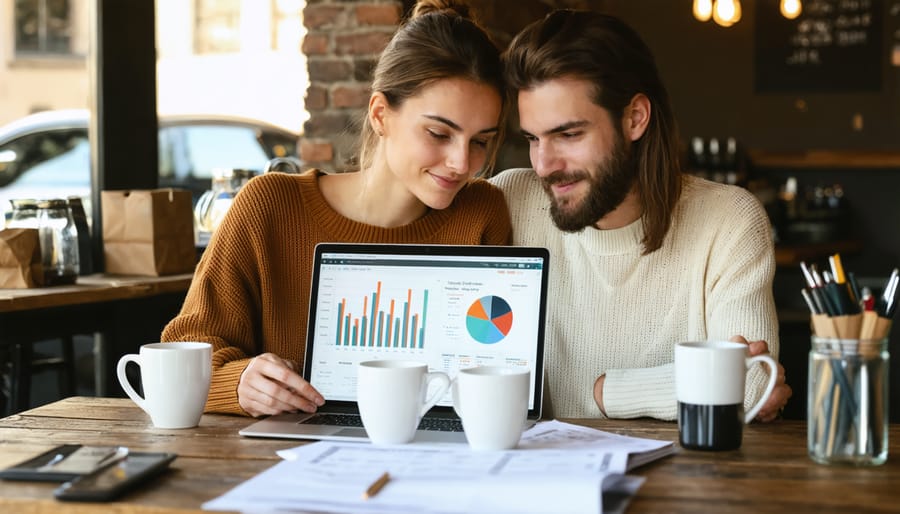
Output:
x=213 y=204
x=59 y=242
x=847 y=403
x=24 y=214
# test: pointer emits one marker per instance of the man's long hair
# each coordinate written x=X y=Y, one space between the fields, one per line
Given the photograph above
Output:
x=606 y=52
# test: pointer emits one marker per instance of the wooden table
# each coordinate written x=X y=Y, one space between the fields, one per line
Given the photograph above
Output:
x=95 y=288
x=126 y=311
x=770 y=473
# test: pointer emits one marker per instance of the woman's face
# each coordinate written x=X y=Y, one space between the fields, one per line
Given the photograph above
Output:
x=437 y=140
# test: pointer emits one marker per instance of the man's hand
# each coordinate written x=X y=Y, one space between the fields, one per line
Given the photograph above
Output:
x=780 y=393
x=598 y=393
x=271 y=385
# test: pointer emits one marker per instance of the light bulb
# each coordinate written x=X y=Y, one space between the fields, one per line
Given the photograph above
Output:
x=703 y=10
x=727 y=12
x=790 y=9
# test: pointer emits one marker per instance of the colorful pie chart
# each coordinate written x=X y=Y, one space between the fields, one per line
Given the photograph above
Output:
x=489 y=319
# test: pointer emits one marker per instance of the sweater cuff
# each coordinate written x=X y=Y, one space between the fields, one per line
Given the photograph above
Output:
x=223 y=397
x=639 y=392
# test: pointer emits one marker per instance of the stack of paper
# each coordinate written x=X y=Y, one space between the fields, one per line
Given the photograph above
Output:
x=557 y=467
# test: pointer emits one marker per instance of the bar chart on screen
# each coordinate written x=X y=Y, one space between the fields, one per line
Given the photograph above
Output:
x=382 y=322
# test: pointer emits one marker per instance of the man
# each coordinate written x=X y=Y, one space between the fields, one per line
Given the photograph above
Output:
x=643 y=256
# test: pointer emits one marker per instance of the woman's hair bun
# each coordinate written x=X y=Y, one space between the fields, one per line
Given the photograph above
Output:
x=458 y=7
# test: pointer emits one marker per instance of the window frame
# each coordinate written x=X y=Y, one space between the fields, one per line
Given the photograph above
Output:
x=44 y=46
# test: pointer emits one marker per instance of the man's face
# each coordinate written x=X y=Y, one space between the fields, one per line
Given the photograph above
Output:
x=577 y=150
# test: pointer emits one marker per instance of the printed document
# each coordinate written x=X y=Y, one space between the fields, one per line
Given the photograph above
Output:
x=557 y=467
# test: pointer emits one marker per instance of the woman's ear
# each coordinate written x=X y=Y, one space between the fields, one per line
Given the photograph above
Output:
x=378 y=107
x=637 y=117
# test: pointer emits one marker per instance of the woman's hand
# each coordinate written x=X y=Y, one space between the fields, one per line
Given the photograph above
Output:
x=271 y=385
x=780 y=393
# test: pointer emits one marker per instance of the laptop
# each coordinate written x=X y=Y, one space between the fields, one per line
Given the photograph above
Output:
x=452 y=307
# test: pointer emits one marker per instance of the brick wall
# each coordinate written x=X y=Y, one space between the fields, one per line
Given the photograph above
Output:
x=343 y=41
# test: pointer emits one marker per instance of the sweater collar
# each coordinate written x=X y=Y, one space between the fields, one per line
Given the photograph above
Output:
x=616 y=241
x=346 y=229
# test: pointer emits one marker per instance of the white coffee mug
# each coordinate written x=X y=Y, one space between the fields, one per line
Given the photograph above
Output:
x=392 y=397
x=175 y=378
x=492 y=402
x=710 y=381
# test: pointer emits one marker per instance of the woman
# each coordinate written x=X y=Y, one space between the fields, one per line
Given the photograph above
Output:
x=434 y=120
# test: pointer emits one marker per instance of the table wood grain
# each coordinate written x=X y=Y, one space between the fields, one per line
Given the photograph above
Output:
x=92 y=289
x=770 y=473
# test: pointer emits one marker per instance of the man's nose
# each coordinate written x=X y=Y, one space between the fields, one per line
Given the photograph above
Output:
x=544 y=159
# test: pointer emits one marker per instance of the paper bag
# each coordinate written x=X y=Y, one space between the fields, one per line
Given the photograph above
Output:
x=148 y=232
x=20 y=258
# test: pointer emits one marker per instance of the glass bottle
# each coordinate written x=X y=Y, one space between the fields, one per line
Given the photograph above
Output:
x=85 y=257
x=59 y=242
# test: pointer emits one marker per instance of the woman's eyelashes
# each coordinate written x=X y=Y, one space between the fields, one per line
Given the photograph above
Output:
x=440 y=136
x=443 y=137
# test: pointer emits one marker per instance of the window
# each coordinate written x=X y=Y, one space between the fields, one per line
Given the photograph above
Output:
x=287 y=18
x=217 y=26
x=43 y=26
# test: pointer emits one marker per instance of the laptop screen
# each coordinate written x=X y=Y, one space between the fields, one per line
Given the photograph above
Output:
x=451 y=307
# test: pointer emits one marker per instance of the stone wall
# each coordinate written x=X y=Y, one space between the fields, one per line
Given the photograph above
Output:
x=344 y=40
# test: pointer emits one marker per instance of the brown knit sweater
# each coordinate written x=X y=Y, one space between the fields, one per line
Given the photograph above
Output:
x=250 y=292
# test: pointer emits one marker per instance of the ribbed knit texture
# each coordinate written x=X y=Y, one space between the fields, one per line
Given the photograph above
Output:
x=613 y=311
x=250 y=292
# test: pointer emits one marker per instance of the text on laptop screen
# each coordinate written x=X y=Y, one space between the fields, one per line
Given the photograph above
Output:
x=451 y=312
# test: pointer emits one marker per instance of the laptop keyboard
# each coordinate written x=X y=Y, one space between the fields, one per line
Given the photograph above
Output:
x=353 y=420
x=441 y=424
x=340 y=420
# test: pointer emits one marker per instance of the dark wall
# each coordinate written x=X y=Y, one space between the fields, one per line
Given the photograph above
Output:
x=710 y=74
x=709 y=71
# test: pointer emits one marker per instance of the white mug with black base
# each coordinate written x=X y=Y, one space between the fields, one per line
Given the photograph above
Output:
x=710 y=381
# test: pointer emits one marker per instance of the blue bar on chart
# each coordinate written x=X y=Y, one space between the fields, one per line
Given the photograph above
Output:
x=379 y=328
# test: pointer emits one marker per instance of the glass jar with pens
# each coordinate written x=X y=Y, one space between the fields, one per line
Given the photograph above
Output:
x=847 y=403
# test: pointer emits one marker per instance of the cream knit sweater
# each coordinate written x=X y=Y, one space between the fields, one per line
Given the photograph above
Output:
x=616 y=312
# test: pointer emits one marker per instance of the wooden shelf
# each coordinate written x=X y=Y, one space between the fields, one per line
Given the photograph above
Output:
x=826 y=159
x=792 y=254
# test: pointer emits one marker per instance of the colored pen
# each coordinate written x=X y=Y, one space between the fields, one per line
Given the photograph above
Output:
x=854 y=287
x=376 y=486
x=836 y=268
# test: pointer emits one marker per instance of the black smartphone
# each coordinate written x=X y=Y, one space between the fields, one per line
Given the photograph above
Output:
x=110 y=482
x=44 y=467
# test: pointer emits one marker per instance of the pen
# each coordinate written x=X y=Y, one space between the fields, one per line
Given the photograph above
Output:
x=837 y=269
x=120 y=454
x=807 y=275
x=854 y=287
x=52 y=462
x=376 y=486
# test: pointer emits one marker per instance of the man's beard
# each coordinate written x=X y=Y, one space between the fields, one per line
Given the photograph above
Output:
x=608 y=187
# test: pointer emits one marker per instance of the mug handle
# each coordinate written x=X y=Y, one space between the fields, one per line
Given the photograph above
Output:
x=454 y=392
x=123 y=379
x=444 y=385
x=773 y=375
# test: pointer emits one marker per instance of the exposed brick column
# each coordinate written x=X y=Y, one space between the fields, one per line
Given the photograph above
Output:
x=343 y=40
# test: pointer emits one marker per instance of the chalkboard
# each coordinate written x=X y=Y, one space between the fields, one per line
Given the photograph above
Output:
x=833 y=46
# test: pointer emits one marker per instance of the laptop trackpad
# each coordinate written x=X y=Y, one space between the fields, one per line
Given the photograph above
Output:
x=351 y=432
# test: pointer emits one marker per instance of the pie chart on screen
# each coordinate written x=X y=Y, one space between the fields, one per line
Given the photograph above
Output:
x=489 y=319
